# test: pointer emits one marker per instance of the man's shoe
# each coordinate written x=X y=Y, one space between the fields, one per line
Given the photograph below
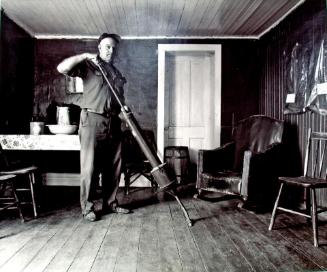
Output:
x=90 y=216
x=115 y=209
x=118 y=209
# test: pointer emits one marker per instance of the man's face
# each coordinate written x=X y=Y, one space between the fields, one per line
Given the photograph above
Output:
x=106 y=49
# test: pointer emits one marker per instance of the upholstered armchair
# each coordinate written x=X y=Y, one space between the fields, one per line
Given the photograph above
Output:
x=247 y=165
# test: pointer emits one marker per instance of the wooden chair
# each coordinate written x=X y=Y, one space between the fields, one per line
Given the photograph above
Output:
x=314 y=178
x=9 y=200
x=24 y=181
x=135 y=163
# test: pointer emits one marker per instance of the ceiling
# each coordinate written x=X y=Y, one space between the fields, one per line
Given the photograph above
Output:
x=148 y=18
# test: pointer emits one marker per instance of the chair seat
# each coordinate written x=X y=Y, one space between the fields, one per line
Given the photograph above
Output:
x=19 y=171
x=5 y=177
x=29 y=171
x=139 y=167
x=223 y=180
x=9 y=198
x=305 y=182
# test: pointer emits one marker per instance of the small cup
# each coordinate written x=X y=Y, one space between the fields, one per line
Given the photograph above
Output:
x=36 y=128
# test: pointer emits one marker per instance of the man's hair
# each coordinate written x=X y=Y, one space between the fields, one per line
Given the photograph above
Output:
x=109 y=35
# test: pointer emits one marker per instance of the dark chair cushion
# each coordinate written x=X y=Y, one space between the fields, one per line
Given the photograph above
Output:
x=227 y=180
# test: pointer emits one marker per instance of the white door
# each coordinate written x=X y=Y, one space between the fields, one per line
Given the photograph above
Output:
x=188 y=92
x=191 y=99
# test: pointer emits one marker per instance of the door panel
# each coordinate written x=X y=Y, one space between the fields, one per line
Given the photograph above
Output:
x=189 y=111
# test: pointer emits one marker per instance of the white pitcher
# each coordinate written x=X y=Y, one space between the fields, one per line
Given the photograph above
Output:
x=63 y=116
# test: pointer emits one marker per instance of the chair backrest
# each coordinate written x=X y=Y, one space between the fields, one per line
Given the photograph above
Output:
x=256 y=133
x=315 y=163
x=132 y=152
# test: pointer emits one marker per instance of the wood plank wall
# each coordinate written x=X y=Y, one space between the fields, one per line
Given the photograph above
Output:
x=304 y=24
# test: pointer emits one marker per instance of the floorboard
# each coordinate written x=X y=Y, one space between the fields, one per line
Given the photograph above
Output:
x=66 y=255
x=209 y=249
x=156 y=237
x=128 y=250
x=148 y=257
x=282 y=251
x=54 y=245
x=83 y=261
x=108 y=253
x=298 y=234
x=167 y=246
x=231 y=247
x=188 y=251
x=229 y=230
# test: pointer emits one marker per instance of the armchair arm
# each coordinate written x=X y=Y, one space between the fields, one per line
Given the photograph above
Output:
x=260 y=166
x=213 y=160
x=245 y=174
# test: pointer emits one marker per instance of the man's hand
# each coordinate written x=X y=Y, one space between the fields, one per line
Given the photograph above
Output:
x=67 y=64
x=91 y=57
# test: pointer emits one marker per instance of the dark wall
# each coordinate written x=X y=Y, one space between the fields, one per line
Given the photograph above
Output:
x=138 y=61
x=16 y=77
x=305 y=26
x=30 y=81
x=240 y=73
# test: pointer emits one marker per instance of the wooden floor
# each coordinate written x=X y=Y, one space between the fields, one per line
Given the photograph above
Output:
x=155 y=237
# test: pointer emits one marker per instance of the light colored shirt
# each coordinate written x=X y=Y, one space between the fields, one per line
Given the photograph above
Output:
x=97 y=95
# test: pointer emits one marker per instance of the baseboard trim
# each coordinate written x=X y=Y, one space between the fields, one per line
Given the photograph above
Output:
x=73 y=179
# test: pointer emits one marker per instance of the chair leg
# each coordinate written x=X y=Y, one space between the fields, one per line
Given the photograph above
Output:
x=274 y=213
x=314 y=217
x=307 y=193
x=152 y=182
x=198 y=194
x=31 y=178
x=17 y=201
x=127 y=182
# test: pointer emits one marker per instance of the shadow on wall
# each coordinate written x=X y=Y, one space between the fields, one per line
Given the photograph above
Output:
x=291 y=164
x=292 y=158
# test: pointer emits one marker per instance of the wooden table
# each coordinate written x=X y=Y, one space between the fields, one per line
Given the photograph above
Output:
x=40 y=142
x=20 y=142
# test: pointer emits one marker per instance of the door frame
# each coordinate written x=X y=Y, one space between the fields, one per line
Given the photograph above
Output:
x=162 y=50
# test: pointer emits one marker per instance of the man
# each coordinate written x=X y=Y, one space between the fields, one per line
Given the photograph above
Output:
x=99 y=129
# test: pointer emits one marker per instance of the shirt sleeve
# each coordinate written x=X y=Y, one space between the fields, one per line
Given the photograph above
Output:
x=79 y=70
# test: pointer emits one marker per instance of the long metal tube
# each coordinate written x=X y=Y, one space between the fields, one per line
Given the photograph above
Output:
x=158 y=168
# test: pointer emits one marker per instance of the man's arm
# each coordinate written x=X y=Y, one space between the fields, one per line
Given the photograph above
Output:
x=68 y=64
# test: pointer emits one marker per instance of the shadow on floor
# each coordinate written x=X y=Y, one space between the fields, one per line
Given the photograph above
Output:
x=55 y=198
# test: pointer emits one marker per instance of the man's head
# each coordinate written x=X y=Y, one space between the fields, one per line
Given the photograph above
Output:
x=106 y=45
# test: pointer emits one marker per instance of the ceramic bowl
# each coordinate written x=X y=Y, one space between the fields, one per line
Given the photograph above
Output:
x=62 y=129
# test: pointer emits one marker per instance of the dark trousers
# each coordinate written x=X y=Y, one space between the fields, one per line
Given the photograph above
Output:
x=100 y=139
